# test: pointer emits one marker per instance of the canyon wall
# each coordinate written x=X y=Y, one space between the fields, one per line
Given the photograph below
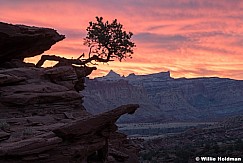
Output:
x=163 y=98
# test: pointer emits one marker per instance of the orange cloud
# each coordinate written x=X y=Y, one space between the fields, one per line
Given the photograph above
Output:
x=189 y=38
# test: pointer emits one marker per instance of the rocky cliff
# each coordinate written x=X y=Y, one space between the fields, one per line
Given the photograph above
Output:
x=163 y=98
x=42 y=118
x=100 y=96
x=20 y=41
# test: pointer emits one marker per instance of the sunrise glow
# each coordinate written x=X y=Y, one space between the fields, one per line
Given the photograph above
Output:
x=190 y=38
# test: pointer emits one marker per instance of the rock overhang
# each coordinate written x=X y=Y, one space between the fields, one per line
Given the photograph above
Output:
x=28 y=41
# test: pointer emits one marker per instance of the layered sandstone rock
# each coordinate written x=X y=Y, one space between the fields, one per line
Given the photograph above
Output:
x=42 y=118
x=49 y=138
x=20 y=41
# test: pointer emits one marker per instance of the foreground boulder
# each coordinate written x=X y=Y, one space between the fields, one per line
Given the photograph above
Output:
x=49 y=139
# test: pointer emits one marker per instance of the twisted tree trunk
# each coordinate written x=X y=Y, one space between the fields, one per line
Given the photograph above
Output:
x=65 y=61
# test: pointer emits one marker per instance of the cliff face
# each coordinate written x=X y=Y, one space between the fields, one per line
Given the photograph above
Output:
x=100 y=96
x=42 y=118
x=163 y=98
x=37 y=91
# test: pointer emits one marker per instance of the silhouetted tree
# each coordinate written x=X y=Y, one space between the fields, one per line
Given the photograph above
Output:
x=108 y=40
x=105 y=41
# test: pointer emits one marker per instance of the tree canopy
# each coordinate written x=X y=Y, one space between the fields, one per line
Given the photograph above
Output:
x=108 y=40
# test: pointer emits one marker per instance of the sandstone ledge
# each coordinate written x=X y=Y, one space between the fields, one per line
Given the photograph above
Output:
x=20 y=41
x=42 y=118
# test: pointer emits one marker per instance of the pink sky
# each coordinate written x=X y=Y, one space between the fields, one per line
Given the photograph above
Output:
x=190 y=38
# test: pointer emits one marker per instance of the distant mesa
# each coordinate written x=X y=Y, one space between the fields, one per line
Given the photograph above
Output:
x=131 y=75
x=163 y=98
x=113 y=76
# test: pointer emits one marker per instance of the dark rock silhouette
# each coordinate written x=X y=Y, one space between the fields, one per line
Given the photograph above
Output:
x=42 y=118
x=20 y=41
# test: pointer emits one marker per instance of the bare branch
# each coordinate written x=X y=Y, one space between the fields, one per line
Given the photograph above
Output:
x=90 y=50
x=70 y=61
x=80 y=56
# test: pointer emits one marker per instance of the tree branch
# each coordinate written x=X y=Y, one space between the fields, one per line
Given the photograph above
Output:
x=80 y=56
x=90 y=50
x=71 y=61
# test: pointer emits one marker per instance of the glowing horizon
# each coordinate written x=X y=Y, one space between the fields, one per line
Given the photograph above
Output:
x=186 y=37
